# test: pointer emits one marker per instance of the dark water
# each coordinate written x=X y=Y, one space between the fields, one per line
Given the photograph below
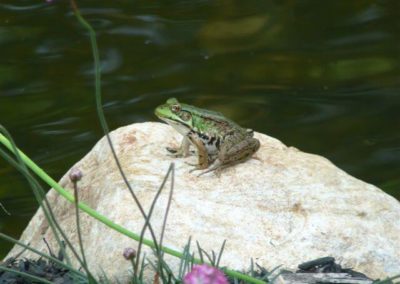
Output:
x=323 y=76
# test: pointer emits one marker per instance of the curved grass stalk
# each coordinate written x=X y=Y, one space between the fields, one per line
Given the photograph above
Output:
x=43 y=202
x=170 y=170
x=101 y=116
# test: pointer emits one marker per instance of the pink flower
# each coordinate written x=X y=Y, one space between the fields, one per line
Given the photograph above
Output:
x=205 y=274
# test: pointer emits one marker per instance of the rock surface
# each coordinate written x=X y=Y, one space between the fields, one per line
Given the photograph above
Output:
x=282 y=207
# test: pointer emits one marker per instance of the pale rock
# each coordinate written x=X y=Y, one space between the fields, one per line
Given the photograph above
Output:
x=282 y=207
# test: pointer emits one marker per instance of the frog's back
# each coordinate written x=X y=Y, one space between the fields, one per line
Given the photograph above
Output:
x=212 y=122
x=208 y=114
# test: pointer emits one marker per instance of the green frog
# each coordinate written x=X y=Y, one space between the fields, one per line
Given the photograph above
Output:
x=219 y=141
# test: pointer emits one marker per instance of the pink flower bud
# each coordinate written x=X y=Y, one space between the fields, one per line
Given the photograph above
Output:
x=75 y=175
x=129 y=253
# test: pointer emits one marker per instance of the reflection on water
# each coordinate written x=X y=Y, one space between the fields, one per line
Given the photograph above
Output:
x=319 y=75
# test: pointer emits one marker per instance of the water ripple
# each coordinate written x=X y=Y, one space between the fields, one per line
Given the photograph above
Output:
x=152 y=34
x=24 y=8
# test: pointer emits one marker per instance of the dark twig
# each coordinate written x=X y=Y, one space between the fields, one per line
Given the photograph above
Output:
x=48 y=248
x=170 y=169
x=220 y=254
x=171 y=191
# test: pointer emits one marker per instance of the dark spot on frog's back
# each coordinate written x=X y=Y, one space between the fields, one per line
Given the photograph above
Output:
x=214 y=141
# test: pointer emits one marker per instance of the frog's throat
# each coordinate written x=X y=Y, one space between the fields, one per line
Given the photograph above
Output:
x=181 y=128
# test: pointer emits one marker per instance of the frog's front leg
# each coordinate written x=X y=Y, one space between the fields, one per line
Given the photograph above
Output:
x=182 y=151
x=232 y=154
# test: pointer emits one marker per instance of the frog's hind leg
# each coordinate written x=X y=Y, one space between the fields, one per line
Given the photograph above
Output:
x=236 y=154
x=203 y=157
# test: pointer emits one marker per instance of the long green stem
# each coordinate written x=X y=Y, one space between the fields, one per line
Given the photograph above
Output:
x=52 y=183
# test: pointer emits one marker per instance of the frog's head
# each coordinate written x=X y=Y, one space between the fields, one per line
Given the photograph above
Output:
x=176 y=115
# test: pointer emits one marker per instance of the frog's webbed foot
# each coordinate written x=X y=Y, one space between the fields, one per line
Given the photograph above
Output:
x=195 y=169
x=182 y=151
x=192 y=164
x=217 y=167
x=172 y=150
x=198 y=169
x=178 y=153
x=175 y=152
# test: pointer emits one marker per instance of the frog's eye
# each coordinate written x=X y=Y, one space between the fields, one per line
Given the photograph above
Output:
x=176 y=108
x=186 y=116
